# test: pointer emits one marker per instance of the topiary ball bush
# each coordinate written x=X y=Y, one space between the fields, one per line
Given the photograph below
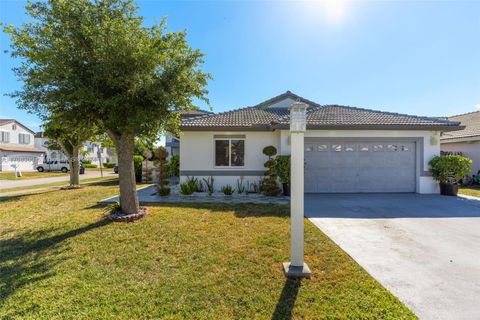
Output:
x=270 y=151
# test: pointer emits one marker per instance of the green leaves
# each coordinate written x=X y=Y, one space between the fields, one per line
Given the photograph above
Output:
x=97 y=60
x=449 y=168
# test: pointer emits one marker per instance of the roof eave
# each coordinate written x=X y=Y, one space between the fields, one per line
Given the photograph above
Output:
x=227 y=128
x=376 y=127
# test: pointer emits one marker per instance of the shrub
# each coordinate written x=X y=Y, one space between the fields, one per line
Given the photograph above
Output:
x=163 y=188
x=449 y=168
x=227 y=190
x=137 y=163
x=283 y=168
x=186 y=188
x=174 y=166
x=89 y=165
x=209 y=185
x=269 y=151
x=85 y=161
x=240 y=187
x=269 y=186
x=109 y=165
x=195 y=184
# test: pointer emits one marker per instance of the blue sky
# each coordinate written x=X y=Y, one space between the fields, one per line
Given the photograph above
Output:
x=418 y=58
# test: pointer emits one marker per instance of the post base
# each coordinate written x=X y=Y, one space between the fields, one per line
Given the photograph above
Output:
x=296 y=271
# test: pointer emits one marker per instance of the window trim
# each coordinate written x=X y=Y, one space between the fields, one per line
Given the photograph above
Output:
x=24 y=135
x=229 y=139
x=5 y=134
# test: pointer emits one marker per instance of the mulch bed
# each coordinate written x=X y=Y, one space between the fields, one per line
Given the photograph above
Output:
x=121 y=217
x=71 y=187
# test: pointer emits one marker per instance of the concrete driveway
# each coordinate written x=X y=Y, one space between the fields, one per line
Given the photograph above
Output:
x=425 y=249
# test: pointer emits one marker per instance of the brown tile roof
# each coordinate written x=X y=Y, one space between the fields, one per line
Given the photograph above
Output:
x=471 y=121
x=318 y=116
x=18 y=148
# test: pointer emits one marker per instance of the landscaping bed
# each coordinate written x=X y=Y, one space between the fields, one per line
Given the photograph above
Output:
x=62 y=258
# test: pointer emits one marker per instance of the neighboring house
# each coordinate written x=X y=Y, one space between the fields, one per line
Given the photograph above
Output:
x=92 y=148
x=346 y=149
x=465 y=141
x=17 y=148
x=172 y=142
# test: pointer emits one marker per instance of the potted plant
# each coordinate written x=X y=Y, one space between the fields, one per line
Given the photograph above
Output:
x=283 y=171
x=448 y=170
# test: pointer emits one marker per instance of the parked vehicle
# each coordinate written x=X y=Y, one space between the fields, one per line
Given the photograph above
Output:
x=54 y=165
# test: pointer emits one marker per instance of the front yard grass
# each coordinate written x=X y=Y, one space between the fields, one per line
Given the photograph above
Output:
x=60 y=259
x=30 y=175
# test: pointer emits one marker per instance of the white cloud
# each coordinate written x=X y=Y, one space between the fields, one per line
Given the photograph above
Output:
x=477 y=106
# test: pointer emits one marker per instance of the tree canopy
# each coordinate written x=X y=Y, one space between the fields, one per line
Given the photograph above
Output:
x=96 y=60
x=98 y=55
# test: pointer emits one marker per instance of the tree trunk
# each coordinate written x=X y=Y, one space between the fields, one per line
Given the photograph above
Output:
x=75 y=167
x=126 y=171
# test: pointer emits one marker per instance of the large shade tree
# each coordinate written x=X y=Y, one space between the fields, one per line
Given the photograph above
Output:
x=111 y=69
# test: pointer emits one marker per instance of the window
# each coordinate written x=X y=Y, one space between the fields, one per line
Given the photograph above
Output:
x=377 y=148
x=308 y=148
x=14 y=126
x=405 y=148
x=337 y=147
x=229 y=153
x=350 y=147
x=364 y=148
x=23 y=138
x=322 y=147
x=4 y=136
x=392 y=147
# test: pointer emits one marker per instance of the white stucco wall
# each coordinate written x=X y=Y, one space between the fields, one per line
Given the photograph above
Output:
x=197 y=154
x=470 y=149
x=197 y=150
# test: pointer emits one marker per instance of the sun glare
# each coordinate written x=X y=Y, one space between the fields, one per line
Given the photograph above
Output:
x=333 y=11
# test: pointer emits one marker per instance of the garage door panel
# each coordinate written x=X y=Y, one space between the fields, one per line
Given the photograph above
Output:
x=360 y=167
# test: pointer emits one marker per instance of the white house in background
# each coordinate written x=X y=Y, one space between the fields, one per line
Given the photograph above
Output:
x=172 y=142
x=17 y=148
x=465 y=141
x=346 y=149
x=92 y=148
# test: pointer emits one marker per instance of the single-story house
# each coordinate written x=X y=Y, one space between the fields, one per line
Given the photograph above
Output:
x=465 y=141
x=347 y=149
x=17 y=149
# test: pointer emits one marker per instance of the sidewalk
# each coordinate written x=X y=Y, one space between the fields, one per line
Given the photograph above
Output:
x=8 y=184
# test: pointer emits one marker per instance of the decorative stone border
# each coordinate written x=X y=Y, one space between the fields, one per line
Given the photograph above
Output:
x=120 y=217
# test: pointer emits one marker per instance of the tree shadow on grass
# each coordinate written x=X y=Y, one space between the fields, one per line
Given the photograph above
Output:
x=30 y=257
x=286 y=301
x=241 y=210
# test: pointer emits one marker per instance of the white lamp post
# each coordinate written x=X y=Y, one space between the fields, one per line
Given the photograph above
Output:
x=296 y=268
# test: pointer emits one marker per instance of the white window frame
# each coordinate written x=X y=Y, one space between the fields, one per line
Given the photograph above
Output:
x=229 y=153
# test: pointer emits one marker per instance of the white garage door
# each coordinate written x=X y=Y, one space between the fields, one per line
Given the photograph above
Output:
x=333 y=167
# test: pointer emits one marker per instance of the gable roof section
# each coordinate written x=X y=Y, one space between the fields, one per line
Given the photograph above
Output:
x=471 y=130
x=7 y=121
x=265 y=117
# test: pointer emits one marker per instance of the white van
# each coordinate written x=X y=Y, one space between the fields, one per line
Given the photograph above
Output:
x=54 y=165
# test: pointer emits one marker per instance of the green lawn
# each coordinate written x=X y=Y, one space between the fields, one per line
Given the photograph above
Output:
x=470 y=191
x=60 y=259
x=30 y=175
